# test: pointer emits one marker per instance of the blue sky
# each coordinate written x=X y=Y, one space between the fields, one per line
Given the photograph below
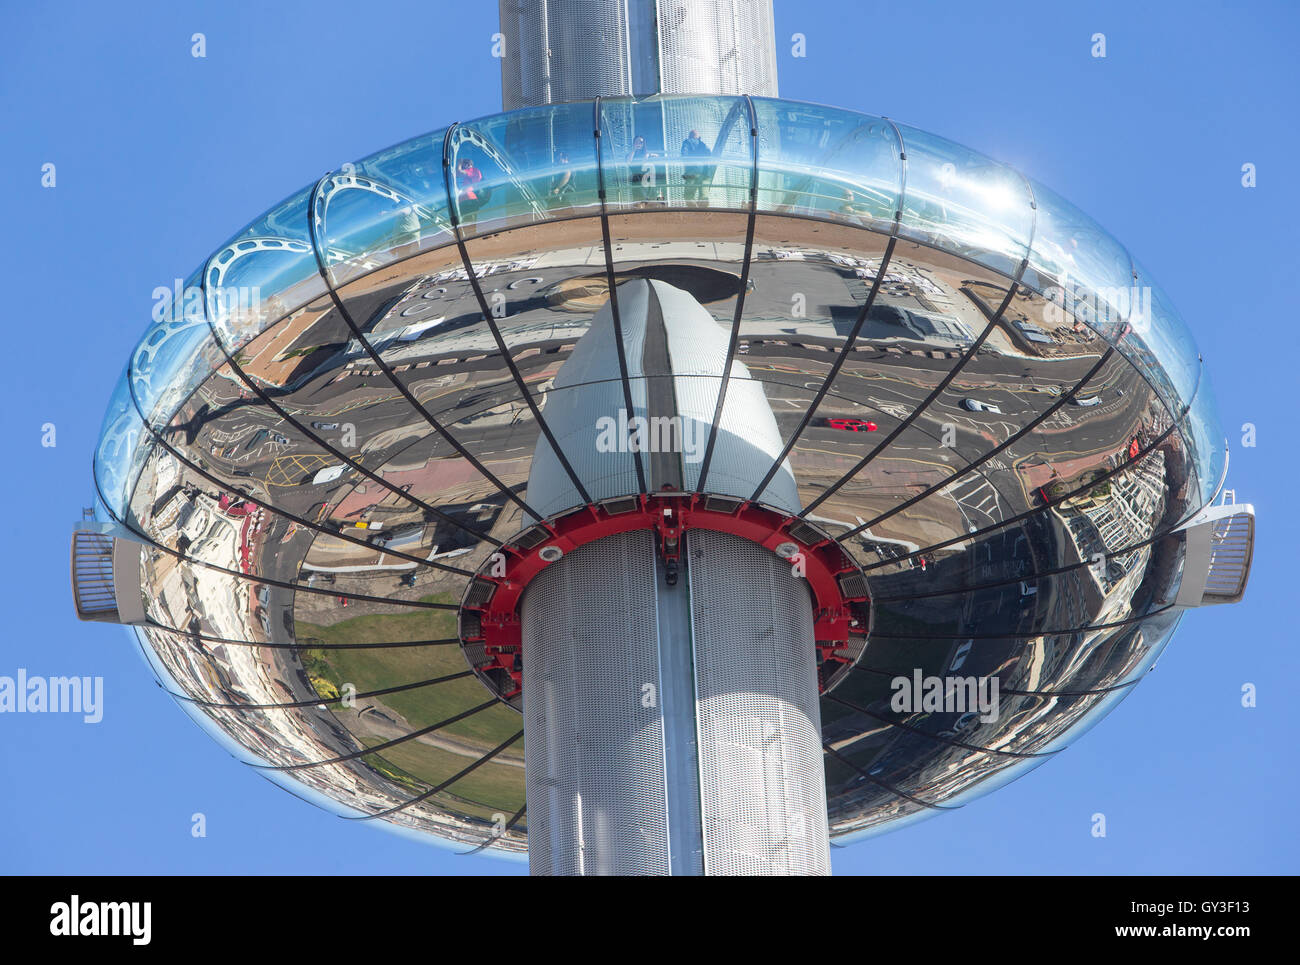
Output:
x=161 y=156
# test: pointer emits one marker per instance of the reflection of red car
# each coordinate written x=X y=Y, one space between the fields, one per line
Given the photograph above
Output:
x=851 y=425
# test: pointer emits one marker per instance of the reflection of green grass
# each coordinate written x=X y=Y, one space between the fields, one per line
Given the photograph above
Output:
x=392 y=773
x=377 y=669
x=487 y=790
x=384 y=627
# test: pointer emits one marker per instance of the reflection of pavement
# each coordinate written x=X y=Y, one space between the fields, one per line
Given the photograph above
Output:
x=1041 y=474
x=290 y=470
x=431 y=477
x=373 y=725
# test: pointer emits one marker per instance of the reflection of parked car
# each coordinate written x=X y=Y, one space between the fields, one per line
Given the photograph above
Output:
x=959 y=657
x=325 y=426
x=851 y=425
x=975 y=405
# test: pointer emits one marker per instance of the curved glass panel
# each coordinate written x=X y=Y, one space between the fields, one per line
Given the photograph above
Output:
x=1085 y=272
x=1005 y=771
x=1162 y=630
x=1203 y=432
x=965 y=203
x=386 y=207
x=169 y=683
x=524 y=167
x=650 y=160
x=907 y=815
x=120 y=451
x=176 y=353
x=826 y=163
x=263 y=273
x=329 y=518
x=1159 y=342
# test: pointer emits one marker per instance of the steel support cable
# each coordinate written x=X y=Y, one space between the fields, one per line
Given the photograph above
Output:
x=354 y=755
x=355 y=464
x=898 y=430
x=406 y=393
x=992 y=453
x=319 y=701
x=993 y=321
x=831 y=375
x=1039 y=575
x=230 y=642
x=740 y=297
x=862 y=313
x=1035 y=510
x=497 y=837
x=443 y=786
x=1009 y=690
x=299 y=520
x=937 y=738
x=615 y=314
x=502 y=347
x=1175 y=424
x=878 y=635
x=270 y=581
x=843 y=759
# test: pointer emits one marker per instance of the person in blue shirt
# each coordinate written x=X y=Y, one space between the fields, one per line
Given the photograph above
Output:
x=696 y=176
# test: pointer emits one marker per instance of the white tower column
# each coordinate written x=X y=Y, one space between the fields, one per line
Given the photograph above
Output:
x=670 y=727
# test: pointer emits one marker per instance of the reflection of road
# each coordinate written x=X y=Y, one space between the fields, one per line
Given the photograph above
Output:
x=380 y=725
x=456 y=358
x=1094 y=432
x=894 y=383
x=290 y=470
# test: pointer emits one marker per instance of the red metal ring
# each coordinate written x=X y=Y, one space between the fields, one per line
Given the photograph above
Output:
x=489 y=615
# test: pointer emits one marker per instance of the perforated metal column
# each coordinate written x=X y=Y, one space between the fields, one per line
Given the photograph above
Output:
x=593 y=749
x=762 y=782
x=676 y=721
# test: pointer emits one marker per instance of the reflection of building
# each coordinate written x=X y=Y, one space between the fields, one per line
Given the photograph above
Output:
x=388 y=481
x=1118 y=513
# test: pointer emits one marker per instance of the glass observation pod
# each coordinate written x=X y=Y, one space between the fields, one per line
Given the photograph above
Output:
x=980 y=396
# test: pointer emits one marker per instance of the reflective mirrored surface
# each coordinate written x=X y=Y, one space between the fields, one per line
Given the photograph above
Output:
x=974 y=389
